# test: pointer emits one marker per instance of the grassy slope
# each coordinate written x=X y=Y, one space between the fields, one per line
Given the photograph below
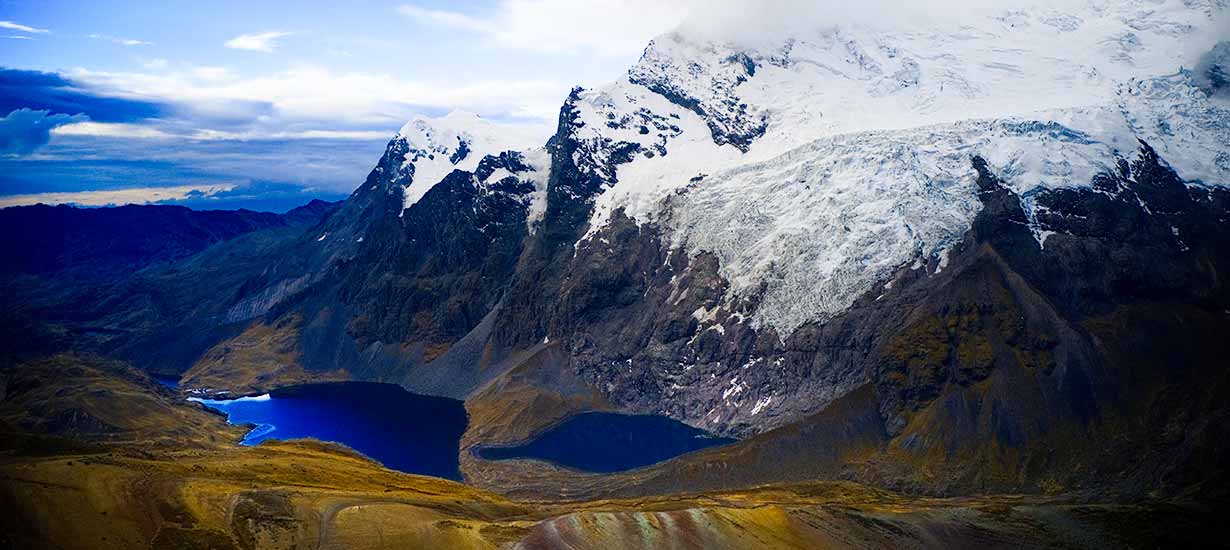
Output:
x=261 y=358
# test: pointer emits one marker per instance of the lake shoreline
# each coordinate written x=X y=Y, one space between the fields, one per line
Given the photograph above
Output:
x=401 y=430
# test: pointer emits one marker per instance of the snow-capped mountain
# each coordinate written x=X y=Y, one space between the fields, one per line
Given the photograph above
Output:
x=809 y=170
x=816 y=164
x=729 y=199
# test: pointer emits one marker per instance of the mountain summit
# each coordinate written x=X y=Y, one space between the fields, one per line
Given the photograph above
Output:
x=457 y=141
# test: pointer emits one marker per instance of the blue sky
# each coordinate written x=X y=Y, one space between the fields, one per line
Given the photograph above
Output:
x=266 y=105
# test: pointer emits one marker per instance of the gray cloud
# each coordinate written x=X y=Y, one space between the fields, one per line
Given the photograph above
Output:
x=1213 y=70
x=741 y=20
x=24 y=130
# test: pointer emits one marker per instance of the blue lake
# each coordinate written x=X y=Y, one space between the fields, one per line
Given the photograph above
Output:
x=608 y=442
x=404 y=431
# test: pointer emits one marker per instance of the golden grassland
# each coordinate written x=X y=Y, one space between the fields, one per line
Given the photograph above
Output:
x=310 y=495
x=262 y=358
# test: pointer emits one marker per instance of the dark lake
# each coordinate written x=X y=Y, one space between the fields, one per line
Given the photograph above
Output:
x=168 y=380
x=404 y=431
x=608 y=442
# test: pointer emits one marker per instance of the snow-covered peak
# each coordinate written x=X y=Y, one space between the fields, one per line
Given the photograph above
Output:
x=443 y=134
x=813 y=163
x=852 y=77
x=457 y=141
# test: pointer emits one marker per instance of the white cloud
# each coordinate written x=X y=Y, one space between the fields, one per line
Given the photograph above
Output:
x=18 y=37
x=256 y=42
x=334 y=134
x=106 y=129
x=211 y=73
x=114 y=197
x=743 y=20
x=219 y=135
x=445 y=18
x=121 y=41
x=624 y=27
x=21 y=28
x=608 y=28
x=309 y=97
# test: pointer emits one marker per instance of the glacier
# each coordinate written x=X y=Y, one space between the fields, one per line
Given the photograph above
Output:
x=814 y=166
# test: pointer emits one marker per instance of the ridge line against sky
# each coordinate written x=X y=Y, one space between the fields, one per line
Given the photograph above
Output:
x=275 y=106
x=283 y=105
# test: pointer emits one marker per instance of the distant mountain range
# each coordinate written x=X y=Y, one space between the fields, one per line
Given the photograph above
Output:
x=950 y=259
x=97 y=241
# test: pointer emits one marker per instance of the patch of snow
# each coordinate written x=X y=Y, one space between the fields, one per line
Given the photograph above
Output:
x=1042 y=236
x=617 y=113
x=943 y=261
x=539 y=160
x=736 y=387
x=761 y=404
x=499 y=174
x=704 y=314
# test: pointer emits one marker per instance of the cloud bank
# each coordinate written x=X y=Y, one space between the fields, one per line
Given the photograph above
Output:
x=117 y=197
x=57 y=94
x=610 y=28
